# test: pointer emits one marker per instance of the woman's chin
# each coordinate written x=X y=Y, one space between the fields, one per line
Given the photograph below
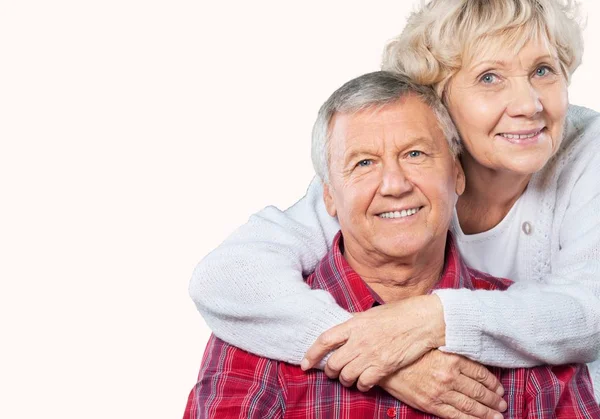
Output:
x=527 y=164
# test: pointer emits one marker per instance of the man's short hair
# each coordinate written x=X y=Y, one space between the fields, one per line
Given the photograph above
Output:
x=373 y=90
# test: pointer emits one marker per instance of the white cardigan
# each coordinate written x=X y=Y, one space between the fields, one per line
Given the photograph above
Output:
x=251 y=292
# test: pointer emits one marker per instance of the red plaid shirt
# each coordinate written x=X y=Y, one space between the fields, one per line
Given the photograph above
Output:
x=236 y=384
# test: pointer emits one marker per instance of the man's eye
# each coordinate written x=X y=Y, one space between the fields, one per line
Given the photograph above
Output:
x=415 y=153
x=364 y=163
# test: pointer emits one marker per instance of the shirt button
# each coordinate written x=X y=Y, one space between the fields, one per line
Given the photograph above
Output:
x=527 y=228
x=391 y=412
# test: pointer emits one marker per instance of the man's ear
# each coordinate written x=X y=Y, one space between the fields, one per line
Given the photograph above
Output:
x=329 y=204
x=460 y=177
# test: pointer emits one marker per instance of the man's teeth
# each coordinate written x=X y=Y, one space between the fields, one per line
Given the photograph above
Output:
x=520 y=137
x=399 y=214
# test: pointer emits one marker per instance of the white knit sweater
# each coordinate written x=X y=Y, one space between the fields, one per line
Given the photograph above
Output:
x=251 y=292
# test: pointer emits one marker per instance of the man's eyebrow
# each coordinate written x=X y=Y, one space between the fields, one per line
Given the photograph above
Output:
x=352 y=152
x=426 y=140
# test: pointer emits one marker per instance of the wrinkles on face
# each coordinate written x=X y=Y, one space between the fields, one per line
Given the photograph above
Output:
x=383 y=166
x=498 y=104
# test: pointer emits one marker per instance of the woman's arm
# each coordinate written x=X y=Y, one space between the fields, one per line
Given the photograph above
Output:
x=251 y=291
x=552 y=323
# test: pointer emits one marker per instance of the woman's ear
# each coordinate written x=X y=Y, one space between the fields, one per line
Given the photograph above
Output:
x=328 y=198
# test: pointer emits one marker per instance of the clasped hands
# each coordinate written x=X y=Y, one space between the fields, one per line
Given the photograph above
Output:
x=395 y=346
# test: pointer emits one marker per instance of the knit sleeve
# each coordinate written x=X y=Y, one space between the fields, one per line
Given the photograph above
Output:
x=555 y=321
x=250 y=290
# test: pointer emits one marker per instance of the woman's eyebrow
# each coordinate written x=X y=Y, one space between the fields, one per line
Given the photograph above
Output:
x=502 y=63
x=486 y=63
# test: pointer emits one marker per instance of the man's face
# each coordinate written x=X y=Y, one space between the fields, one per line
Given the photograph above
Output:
x=393 y=181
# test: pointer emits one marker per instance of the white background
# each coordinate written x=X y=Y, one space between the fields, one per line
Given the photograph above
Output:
x=134 y=137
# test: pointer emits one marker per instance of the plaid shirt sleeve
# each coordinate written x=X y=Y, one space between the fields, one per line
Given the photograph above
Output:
x=563 y=391
x=235 y=384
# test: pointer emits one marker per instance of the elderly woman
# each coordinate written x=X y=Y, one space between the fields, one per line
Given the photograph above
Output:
x=529 y=213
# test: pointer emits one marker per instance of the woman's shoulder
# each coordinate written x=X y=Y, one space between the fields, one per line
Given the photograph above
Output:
x=581 y=138
x=580 y=115
x=578 y=152
x=582 y=126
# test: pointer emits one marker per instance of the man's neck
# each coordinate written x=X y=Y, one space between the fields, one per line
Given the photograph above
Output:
x=398 y=278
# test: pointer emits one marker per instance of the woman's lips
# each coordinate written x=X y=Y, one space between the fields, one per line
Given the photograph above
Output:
x=524 y=137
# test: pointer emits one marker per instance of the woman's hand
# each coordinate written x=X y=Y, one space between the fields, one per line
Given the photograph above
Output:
x=378 y=342
x=448 y=386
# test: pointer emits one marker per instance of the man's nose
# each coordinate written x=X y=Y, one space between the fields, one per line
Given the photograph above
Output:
x=394 y=181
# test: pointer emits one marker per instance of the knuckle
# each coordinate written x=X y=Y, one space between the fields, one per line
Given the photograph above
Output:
x=367 y=381
x=333 y=363
x=346 y=376
x=456 y=360
x=325 y=339
x=386 y=363
x=361 y=387
x=330 y=373
x=467 y=405
x=452 y=414
x=481 y=373
x=445 y=378
x=478 y=392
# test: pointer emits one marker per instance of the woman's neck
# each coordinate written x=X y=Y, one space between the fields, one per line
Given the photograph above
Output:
x=489 y=195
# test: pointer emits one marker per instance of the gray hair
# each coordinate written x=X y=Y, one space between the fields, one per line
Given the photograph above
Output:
x=374 y=90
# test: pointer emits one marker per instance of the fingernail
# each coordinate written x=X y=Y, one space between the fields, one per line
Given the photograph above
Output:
x=304 y=364
x=498 y=416
x=500 y=391
x=503 y=405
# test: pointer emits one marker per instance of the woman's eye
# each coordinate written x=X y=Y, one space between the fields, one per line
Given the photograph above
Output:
x=542 y=71
x=415 y=153
x=489 y=78
x=365 y=162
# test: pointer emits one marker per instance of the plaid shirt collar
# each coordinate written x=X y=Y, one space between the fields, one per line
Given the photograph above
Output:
x=335 y=275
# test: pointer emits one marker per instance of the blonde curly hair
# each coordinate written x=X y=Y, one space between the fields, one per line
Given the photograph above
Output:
x=442 y=35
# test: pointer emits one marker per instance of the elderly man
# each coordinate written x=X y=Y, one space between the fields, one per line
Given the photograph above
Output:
x=386 y=151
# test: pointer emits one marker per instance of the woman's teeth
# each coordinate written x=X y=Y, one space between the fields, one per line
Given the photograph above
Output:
x=520 y=137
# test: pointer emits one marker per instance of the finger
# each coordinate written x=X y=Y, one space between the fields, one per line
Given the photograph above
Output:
x=369 y=379
x=349 y=374
x=446 y=411
x=469 y=407
x=325 y=343
x=338 y=360
x=481 y=374
x=477 y=391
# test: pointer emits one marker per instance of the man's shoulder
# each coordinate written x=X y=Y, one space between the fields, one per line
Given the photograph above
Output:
x=484 y=281
x=224 y=359
x=235 y=383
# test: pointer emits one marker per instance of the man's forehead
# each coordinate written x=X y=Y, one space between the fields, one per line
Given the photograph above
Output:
x=408 y=118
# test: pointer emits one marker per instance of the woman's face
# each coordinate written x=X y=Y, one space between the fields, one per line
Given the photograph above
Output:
x=510 y=109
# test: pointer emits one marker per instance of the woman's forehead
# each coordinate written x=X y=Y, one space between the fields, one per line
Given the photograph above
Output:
x=506 y=48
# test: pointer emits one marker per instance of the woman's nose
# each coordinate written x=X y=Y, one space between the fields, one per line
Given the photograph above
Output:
x=524 y=99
